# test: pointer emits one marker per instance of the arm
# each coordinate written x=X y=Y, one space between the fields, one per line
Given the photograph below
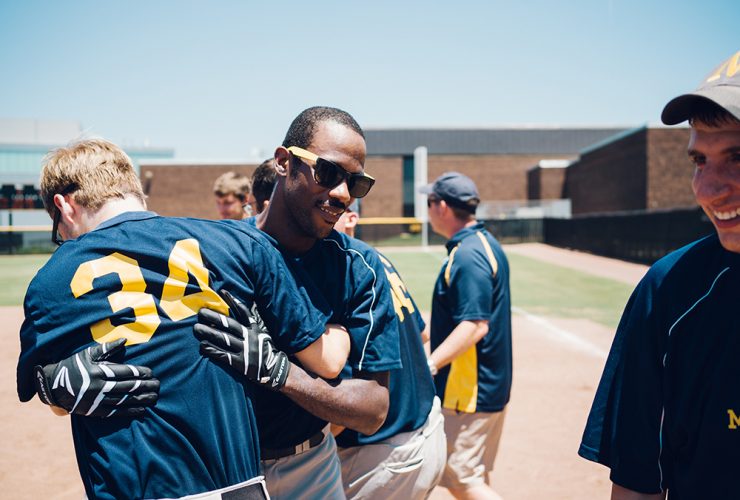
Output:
x=620 y=493
x=328 y=354
x=360 y=403
x=425 y=337
x=465 y=335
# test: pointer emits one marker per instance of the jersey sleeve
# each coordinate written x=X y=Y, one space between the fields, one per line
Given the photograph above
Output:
x=27 y=360
x=623 y=430
x=46 y=335
x=286 y=308
x=370 y=316
x=470 y=282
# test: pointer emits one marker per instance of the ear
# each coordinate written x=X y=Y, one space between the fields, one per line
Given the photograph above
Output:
x=352 y=219
x=282 y=161
x=66 y=206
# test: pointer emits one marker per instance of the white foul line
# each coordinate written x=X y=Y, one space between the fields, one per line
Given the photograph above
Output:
x=563 y=336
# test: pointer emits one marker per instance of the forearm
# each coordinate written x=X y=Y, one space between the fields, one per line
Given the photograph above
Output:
x=357 y=403
x=465 y=335
x=328 y=354
x=59 y=412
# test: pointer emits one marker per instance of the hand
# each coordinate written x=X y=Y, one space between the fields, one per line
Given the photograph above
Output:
x=88 y=384
x=242 y=344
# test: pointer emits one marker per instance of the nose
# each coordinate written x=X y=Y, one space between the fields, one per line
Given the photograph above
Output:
x=711 y=184
x=340 y=192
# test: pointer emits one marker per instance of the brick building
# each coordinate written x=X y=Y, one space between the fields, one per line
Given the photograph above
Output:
x=546 y=180
x=641 y=169
x=497 y=159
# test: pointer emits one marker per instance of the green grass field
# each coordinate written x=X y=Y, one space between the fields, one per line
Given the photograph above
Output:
x=538 y=287
x=17 y=272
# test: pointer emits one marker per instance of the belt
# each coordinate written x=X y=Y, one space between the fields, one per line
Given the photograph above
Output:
x=272 y=454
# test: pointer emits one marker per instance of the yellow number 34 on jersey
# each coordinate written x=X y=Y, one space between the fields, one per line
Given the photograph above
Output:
x=184 y=260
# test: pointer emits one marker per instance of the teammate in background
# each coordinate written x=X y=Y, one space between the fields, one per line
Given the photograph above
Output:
x=470 y=336
x=124 y=273
x=405 y=458
x=665 y=415
x=231 y=190
x=263 y=182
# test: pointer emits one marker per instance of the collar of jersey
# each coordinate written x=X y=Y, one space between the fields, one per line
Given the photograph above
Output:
x=462 y=234
x=125 y=217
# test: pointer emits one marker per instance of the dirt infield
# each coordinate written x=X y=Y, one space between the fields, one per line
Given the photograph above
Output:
x=37 y=458
x=557 y=364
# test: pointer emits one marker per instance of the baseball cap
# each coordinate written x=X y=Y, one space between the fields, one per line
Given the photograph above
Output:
x=721 y=87
x=456 y=189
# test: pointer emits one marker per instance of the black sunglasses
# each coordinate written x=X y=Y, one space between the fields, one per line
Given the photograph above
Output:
x=431 y=200
x=329 y=175
x=58 y=216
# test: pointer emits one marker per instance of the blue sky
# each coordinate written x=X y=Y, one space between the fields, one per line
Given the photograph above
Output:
x=223 y=79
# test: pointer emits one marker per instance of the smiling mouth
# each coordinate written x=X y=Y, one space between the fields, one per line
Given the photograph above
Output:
x=332 y=211
x=726 y=215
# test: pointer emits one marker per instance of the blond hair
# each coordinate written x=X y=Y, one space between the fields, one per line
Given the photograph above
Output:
x=95 y=170
x=232 y=183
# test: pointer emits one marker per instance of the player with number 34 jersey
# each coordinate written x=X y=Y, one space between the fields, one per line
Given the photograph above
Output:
x=143 y=277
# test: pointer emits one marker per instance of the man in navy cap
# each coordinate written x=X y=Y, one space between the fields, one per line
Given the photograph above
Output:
x=666 y=416
x=470 y=336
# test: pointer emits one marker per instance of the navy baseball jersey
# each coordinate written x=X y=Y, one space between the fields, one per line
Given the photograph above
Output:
x=345 y=279
x=474 y=285
x=411 y=388
x=144 y=277
x=666 y=415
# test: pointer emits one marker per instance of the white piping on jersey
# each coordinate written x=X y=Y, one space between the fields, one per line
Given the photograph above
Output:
x=665 y=357
x=670 y=330
x=372 y=303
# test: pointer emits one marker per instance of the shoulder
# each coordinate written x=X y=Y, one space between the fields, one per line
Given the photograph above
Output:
x=353 y=248
x=479 y=249
x=689 y=264
x=386 y=263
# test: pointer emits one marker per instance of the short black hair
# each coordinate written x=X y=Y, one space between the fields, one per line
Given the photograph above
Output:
x=711 y=114
x=263 y=180
x=302 y=129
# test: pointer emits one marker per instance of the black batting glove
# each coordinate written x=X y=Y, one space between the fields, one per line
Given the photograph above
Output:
x=242 y=343
x=88 y=384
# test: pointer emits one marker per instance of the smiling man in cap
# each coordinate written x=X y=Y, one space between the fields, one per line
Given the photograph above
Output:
x=666 y=416
x=470 y=336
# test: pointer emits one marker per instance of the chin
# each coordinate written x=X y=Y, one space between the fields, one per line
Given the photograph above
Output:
x=730 y=242
x=322 y=231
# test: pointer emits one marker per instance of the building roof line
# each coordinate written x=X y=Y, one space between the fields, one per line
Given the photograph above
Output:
x=197 y=162
x=614 y=138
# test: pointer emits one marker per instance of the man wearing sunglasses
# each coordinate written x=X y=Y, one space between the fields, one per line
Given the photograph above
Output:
x=320 y=170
